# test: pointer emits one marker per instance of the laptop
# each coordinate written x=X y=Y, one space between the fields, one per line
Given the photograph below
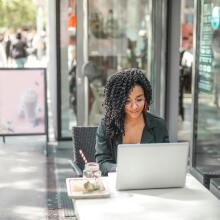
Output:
x=145 y=166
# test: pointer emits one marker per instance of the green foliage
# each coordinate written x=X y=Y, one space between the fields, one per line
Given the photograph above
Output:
x=17 y=13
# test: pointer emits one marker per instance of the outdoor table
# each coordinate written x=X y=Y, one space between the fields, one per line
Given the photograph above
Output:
x=192 y=202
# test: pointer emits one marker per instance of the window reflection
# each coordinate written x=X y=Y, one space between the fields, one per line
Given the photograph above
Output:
x=207 y=109
x=120 y=35
x=68 y=65
x=117 y=38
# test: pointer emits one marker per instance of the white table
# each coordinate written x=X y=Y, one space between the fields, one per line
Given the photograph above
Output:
x=193 y=202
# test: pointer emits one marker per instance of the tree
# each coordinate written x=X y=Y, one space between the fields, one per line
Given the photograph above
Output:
x=17 y=13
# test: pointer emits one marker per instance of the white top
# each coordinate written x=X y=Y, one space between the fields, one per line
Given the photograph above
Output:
x=193 y=202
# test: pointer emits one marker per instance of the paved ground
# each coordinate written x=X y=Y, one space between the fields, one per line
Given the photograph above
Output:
x=32 y=184
x=63 y=154
x=23 y=188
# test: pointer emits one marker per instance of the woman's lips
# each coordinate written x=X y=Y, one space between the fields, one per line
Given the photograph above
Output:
x=135 y=112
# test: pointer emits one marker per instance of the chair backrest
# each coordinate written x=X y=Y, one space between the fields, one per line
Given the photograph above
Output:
x=84 y=138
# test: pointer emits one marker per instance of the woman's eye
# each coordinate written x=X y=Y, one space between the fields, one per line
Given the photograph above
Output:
x=139 y=100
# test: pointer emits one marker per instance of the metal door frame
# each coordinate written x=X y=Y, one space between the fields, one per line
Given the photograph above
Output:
x=158 y=67
x=82 y=59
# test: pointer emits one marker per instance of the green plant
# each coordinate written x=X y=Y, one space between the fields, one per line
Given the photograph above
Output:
x=16 y=13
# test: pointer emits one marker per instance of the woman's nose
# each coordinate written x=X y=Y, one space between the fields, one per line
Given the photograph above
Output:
x=134 y=105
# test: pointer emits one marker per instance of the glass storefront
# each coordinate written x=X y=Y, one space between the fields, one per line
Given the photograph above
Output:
x=185 y=70
x=119 y=34
x=67 y=66
x=206 y=128
x=118 y=38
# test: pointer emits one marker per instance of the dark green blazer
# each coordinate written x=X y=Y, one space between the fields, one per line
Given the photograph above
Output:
x=155 y=131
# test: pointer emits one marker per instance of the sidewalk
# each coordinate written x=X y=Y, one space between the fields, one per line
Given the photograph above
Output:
x=62 y=154
x=32 y=184
x=23 y=188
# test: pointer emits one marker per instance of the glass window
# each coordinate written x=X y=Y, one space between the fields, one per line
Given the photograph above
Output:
x=207 y=92
x=118 y=37
x=68 y=66
x=189 y=3
x=185 y=71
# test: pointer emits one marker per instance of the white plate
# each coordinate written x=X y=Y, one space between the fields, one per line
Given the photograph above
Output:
x=72 y=183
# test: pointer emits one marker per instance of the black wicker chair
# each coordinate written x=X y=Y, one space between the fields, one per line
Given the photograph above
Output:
x=84 y=138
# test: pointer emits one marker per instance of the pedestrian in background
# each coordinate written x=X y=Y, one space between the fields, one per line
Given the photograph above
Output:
x=19 y=51
x=2 y=52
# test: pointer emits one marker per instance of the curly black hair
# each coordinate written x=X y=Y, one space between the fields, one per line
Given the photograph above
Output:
x=116 y=93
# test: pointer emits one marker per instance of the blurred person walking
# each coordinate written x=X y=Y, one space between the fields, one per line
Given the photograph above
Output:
x=2 y=52
x=19 y=51
x=8 y=49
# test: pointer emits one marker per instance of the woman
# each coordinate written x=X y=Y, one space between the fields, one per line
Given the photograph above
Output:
x=128 y=95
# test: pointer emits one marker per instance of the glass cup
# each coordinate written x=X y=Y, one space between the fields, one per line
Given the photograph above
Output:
x=91 y=170
x=91 y=175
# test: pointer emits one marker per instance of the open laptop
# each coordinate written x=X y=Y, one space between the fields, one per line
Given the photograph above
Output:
x=159 y=165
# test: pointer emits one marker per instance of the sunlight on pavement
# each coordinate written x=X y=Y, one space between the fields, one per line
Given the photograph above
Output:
x=28 y=212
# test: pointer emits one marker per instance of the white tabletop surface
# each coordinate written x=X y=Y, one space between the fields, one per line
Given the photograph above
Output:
x=193 y=202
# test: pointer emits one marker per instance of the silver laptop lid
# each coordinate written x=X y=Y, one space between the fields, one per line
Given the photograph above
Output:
x=159 y=165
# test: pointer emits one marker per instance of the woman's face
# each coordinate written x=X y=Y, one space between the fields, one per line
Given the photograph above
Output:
x=134 y=104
